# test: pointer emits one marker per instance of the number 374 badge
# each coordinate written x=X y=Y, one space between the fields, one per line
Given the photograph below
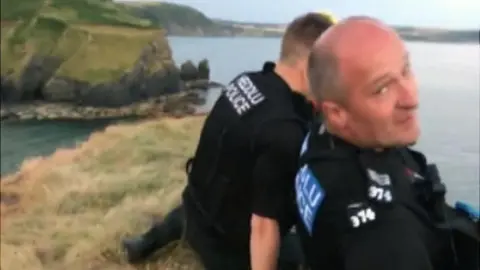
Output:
x=360 y=214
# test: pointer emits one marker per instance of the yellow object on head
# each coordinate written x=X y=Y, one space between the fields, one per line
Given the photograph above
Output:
x=328 y=15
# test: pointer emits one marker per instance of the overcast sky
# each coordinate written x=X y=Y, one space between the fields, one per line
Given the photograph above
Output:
x=455 y=14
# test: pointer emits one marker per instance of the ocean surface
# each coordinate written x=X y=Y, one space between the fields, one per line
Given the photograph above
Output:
x=449 y=83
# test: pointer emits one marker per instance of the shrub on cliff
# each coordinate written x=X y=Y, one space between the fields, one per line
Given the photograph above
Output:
x=70 y=210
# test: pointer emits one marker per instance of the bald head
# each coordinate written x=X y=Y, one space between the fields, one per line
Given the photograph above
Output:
x=350 y=44
x=359 y=74
x=355 y=28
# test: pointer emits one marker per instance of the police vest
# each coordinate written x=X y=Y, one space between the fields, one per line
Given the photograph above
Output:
x=369 y=192
x=220 y=173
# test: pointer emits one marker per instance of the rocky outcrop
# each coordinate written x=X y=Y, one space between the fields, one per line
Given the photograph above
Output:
x=183 y=103
x=52 y=69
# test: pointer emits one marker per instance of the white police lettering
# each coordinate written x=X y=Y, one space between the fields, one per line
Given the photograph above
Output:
x=305 y=144
x=243 y=94
x=309 y=196
x=362 y=216
x=250 y=90
x=238 y=101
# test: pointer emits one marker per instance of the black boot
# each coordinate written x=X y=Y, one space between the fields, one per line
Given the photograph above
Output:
x=139 y=248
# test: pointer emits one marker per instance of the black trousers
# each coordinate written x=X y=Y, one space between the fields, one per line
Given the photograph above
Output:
x=169 y=230
x=213 y=254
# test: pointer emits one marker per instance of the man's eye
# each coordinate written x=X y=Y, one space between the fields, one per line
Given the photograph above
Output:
x=381 y=90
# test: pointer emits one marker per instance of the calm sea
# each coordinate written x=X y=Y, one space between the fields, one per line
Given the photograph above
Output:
x=448 y=75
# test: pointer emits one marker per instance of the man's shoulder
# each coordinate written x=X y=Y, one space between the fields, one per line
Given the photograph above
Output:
x=333 y=167
x=267 y=68
x=333 y=174
x=283 y=133
x=252 y=75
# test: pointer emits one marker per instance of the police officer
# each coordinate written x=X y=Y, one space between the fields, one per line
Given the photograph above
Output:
x=239 y=201
x=365 y=200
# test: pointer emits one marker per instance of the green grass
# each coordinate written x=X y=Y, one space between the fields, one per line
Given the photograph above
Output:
x=166 y=14
x=74 y=11
x=113 y=51
x=92 y=52
x=99 y=40
x=13 y=10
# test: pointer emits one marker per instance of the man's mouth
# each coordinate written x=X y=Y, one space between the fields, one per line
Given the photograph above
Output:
x=406 y=120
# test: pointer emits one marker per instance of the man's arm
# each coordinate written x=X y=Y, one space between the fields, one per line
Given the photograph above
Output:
x=264 y=243
x=273 y=182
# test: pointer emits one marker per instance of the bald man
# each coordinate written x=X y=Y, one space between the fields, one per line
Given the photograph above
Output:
x=365 y=200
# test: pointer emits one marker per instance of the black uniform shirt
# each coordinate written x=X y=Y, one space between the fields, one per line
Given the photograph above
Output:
x=255 y=166
x=276 y=166
x=345 y=224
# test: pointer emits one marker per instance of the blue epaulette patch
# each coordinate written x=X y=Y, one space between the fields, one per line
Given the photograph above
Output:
x=309 y=195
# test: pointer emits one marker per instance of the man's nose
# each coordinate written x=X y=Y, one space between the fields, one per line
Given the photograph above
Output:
x=407 y=94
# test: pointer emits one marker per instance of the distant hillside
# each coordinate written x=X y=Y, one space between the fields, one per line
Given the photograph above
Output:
x=280 y=26
x=407 y=33
x=74 y=11
x=438 y=35
x=70 y=55
x=186 y=21
x=183 y=20
x=174 y=18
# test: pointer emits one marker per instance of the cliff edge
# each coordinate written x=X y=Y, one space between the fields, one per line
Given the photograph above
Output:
x=71 y=58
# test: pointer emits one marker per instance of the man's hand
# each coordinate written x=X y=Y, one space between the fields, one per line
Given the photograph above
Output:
x=264 y=243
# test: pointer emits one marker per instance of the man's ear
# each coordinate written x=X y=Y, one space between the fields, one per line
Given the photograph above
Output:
x=334 y=113
x=302 y=67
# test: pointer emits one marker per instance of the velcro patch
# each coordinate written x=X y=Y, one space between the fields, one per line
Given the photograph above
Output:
x=380 y=187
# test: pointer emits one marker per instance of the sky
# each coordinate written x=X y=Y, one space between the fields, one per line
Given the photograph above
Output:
x=450 y=14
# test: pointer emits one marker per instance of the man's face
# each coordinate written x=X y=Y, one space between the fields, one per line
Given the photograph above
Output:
x=382 y=97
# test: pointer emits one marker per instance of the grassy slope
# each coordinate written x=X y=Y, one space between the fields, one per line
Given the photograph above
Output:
x=75 y=206
x=98 y=39
x=74 y=11
x=184 y=20
x=168 y=14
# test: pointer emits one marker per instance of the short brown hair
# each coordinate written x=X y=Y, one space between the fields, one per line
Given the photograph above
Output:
x=324 y=75
x=300 y=35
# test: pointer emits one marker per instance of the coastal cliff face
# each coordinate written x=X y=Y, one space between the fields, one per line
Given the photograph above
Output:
x=73 y=67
